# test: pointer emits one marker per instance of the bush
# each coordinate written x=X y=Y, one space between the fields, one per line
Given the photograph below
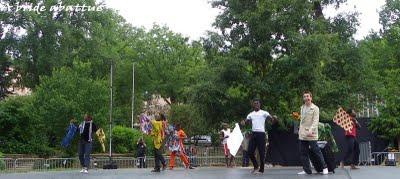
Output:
x=124 y=140
x=69 y=92
x=24 y=132
x=30 y=147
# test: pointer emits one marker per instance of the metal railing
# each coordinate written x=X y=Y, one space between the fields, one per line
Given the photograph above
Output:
x=204 y=157
x=9 y=165
x=6 y=163
x=365 y=156
x=381 y=158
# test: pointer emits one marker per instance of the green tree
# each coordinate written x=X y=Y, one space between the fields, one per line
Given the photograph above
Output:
x=165 y=64
x=168 y=63
x=260 y=31
x=21 y=132
x=274 y=50
x=5 y=76
x=189 y=118
x=70 y=93
x=5 y=62
x=387 y=125
x=384 y=59
x=53 y=39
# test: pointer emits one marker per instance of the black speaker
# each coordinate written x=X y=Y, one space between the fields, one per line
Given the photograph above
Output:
x=390 y=163
x=110 y=165
x=391 y=159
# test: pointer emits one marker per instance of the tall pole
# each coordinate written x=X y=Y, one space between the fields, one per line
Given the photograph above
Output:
x=111 y=164
x=111 y=100
x=133 y=91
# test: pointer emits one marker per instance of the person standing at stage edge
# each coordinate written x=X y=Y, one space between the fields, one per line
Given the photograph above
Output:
x=257 y=119
x=308 y=134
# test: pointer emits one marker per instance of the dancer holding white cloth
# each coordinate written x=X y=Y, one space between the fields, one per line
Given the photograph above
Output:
x=224 y=135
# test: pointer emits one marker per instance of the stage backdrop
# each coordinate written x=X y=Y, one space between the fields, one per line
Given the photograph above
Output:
x=284 y=147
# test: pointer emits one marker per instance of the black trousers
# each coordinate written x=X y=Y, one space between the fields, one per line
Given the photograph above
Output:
x=305 y=148
x=257 y=140
x=353 y=148
x=159 y=158
x=141 y=162
x=245 y=159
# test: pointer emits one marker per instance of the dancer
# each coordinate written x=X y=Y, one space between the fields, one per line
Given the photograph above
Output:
x=179 y=149
x=352 y=143
x=156 y=133
x=257 y=119
x=86 y=129
x=308 y=134
x=224 y=135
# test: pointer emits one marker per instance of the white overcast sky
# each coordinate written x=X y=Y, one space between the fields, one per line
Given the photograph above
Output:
x=193 y=18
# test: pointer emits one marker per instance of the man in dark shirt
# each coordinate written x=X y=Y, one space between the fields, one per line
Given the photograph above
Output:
x=87 y=130
x=141 y=153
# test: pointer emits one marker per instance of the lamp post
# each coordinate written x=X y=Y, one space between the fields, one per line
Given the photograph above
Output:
x=111 y=164
x=133 y=92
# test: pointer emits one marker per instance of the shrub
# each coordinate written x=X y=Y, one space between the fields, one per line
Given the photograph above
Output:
x=24 y=131
x=124 y=140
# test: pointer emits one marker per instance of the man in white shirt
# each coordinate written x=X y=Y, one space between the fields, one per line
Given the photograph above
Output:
x=257 y=119
x=308 y=134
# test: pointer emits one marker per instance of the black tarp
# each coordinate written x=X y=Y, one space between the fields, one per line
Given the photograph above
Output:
x=284 y=148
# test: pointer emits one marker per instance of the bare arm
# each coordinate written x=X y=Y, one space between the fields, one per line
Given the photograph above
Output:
x=272 y=118
x=245 y=122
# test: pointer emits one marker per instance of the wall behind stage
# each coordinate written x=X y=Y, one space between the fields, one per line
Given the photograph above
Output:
x=284 y=146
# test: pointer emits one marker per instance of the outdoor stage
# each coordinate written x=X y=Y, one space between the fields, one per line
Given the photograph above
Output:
x=375 y=172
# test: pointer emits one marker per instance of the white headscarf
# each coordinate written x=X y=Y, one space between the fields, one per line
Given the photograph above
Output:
x=82 y=127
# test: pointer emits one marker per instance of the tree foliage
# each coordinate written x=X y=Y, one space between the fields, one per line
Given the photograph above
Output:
x=125 y=139
x=384 y=59
x=272 y=50
x=21 y=132
x=39 y=42
x=283 y=48
x=69 y=93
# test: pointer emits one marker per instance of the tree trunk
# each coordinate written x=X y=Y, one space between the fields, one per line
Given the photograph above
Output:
x=317 y=9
